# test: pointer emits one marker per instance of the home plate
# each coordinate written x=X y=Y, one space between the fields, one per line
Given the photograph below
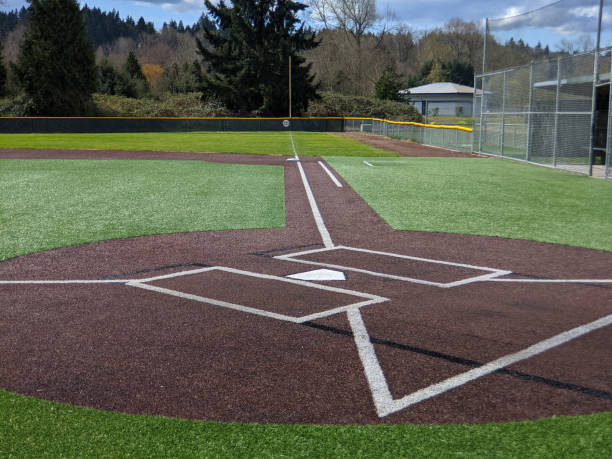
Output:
x=319 y=275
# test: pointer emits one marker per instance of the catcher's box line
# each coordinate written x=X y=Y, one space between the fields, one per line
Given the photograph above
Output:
x=385 y=403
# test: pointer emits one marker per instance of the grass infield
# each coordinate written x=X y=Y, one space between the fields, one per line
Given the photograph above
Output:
x=270 y=143
x=485 y=197
x=55 y=203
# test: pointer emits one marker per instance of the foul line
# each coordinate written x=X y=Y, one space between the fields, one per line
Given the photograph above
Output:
x=331 y=175
x=383 y=400
x=327 y=240
x=296 y=157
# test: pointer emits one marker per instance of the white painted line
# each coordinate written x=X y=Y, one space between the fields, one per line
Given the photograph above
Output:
x=303 y=283
x=491 y=367
x=381 y=395
x=331 y=175
x=492 y=272
x=429 y=260
x=76 y=281
x=363 y=271
x=555 y=281
x=369 y=299
x=296 y=158
x=305 y=252
x=334 y=311
x=327 y=241
x=483 y=278
x=368 y=164
x=177 y=274
x=213 y=302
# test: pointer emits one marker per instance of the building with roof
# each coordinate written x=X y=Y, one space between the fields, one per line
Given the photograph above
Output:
x=440 y=99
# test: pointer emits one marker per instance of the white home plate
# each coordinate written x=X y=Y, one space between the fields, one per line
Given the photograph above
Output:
x=319 y=275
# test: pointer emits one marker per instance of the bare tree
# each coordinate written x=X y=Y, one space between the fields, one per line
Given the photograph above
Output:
x=354 y=17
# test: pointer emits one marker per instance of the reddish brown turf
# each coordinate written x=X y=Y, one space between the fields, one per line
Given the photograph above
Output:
x=406 y=147
x=119 y=347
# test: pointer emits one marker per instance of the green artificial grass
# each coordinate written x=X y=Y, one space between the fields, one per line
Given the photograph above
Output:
x=486 y=197
x=330 y=144
x=54 y=203
x=265 y=143
x=34 y=428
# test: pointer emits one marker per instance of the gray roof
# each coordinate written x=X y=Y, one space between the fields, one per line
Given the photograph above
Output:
x=439 y=88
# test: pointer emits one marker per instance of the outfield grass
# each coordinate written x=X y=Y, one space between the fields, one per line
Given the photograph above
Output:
x=34 y=428
x=54 y=203
x=486 y=197
x=269 y=143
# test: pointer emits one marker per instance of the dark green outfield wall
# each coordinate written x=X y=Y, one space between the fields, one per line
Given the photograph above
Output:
x=102 y=125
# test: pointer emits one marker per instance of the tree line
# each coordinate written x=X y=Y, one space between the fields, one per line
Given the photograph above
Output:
x=239 y=55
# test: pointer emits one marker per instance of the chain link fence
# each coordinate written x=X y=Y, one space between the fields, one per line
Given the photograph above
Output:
x=570 y=26
x=546 y=113
x=450 y=137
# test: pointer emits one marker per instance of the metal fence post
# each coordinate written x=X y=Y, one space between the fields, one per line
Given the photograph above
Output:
x=594 y=106
x=531 y=85
x=557 y=97
x=482 y=105
x=503 y=117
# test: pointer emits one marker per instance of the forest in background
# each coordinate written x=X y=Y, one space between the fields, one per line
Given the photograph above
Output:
x=367 y=57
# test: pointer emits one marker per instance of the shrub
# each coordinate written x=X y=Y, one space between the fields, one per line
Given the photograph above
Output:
x=333 y=104
x=180 y=105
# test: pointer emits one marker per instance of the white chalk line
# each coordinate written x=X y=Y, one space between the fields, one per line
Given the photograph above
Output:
x=384 y=402
x=331 y=175
x=492 y=272
x=369 y=299
x=325 y=236
x=381 y=395
x=63 y=282
x=295 y=153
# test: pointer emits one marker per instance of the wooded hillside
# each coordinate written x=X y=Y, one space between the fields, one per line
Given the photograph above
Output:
x=353 y=52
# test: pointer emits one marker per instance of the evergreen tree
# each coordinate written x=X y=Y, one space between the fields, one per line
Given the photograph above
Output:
x=132 y=67
x=388 y=85
x=459 y=72
x=248 y=65
x=2 y=73
x=56 y=64
x=110 y=81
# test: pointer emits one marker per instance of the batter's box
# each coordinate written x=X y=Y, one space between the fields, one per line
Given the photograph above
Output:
x=261 y=294
x=437 y=273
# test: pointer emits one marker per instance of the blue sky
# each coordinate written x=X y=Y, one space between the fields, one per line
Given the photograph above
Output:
x=570 y=19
